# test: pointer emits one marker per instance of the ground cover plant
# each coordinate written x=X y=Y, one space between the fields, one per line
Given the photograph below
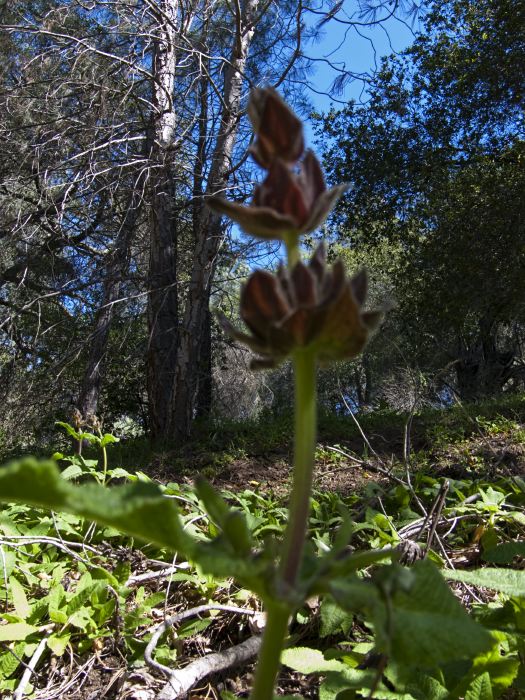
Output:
x=414 y=638
x=93 y=597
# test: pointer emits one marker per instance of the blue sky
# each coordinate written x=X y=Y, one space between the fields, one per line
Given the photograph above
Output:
x=358 y=50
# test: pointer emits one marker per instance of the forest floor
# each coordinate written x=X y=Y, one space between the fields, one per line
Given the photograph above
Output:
x=375 y=469
x=473 y=442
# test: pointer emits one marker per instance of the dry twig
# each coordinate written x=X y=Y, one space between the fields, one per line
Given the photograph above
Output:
x=182 y=680
x=30 y=668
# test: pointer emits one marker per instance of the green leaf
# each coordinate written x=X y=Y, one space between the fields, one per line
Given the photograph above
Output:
x=499 y=665
x=90 y=437
x=100 y=574
x=69 y=429
x=138 y=509
x=360 y=560
x=16 y=631
x=503 y=580
x=108 y=439
x=120 y=473
x=334 y=620
x=192 y=627
x=505 y=553
x=58 y=643
x=427 y=688
x=81 y=618
x=56 y=600
x=306 y=660
x=480 y=689
x=417 y=618
x=21 y=605
x=78 y=600
x=491 y=497
x=215 y=505
x=237 y=533
x=72 y=472
x=336 y=683
x=9 y=662
x=333 y=685
x=517 y=516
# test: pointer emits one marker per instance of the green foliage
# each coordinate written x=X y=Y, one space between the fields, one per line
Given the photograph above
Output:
x=502 y=580
x=433 y=647
x=435 y=157
x=413 y=626
x=135 y=508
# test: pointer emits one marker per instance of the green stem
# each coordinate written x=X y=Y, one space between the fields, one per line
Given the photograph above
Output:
x=304 y=454
x=104 y=464
x=277 y=614
x=292 y=249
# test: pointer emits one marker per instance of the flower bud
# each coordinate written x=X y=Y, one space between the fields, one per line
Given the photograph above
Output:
x=279 y=132
x=285 y=203
x=293 y=198
x=312 y=306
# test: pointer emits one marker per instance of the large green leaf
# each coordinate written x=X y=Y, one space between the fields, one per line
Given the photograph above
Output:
x=503 y=580
x=20 y=602
x=427 y=688
x=480 y=689
x=334 y=620
x=58 y=643
x=505 y=553
x=335 y=685
x=339 y=676
x=306 y=660
x=16 y=631
x=417 y=619
x=138 y=509
x=11 y=659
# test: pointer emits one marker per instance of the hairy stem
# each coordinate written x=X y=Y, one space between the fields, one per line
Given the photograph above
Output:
x=277 y=615
x=104 y=464
x=292 y=249
x=304 y=452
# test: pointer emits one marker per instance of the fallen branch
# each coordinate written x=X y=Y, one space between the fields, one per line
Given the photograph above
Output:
x=30 y=668
x=139 y=579
x=182 y=680
x=365 y=465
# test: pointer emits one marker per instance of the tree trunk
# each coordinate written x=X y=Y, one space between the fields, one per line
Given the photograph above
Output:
x=115 y=271
x=192 y=336
x=482 y=370
x=209 y=236
x=205 y=378
x=162 y=282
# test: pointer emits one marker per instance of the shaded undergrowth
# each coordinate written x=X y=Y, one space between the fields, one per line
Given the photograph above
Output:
x=91 y=597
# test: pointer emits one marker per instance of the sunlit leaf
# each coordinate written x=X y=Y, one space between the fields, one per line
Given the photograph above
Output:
x=502 y=580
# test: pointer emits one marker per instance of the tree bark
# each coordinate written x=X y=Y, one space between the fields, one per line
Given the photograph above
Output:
x=205 y=377
x=117 y=266
x=209 y=235
x=163 y=313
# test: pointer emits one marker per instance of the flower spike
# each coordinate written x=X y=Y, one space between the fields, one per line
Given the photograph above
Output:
x=293 y=198
x=312 y=306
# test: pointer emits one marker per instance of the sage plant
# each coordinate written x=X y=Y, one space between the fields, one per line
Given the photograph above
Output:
x=311 y=313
